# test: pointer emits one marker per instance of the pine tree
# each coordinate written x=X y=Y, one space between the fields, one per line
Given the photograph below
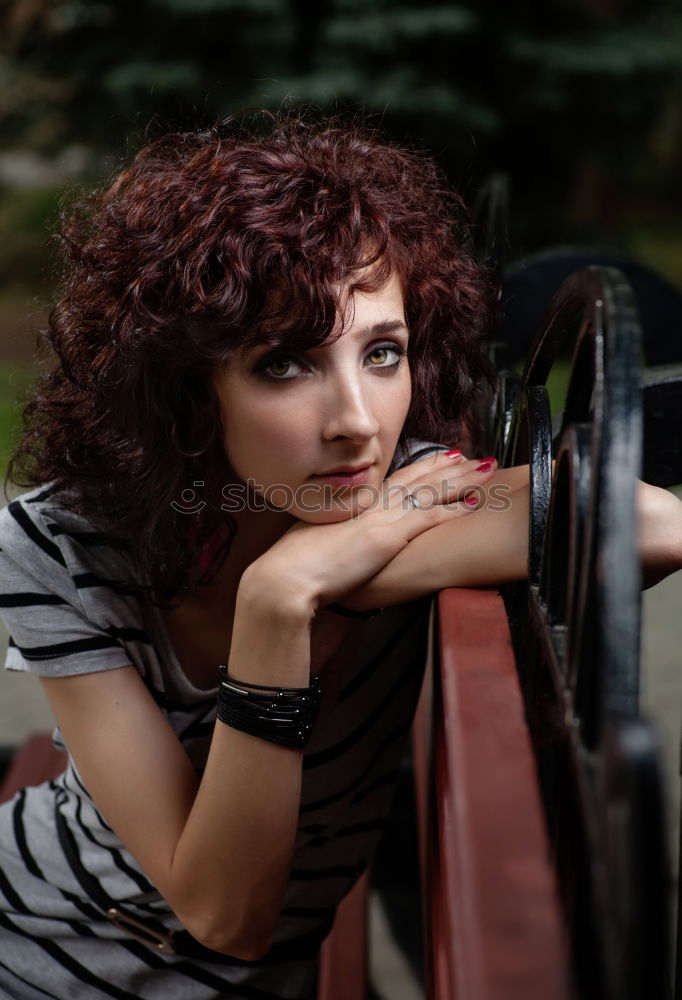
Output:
x=546 y=92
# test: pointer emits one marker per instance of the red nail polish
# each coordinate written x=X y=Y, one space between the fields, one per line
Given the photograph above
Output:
x=483 y=467
x=471 y=500
x=454 y=453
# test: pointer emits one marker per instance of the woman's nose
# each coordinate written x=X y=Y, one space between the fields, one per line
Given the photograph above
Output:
x=350 y=413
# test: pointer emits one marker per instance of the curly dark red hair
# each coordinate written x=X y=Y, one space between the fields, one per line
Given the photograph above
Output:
x=205 y=241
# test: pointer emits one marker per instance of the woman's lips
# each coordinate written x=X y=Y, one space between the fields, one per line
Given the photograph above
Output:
x=346 y=478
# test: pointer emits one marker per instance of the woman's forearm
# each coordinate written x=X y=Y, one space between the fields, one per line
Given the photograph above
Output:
x=217 y=849
x=490 y=546
x=234 y=855
x=486 y=547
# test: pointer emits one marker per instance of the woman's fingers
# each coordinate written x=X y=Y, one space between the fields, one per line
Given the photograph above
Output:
x=444 y=481
x=411 y=509
x=448 y=486
x=414 y=521
x=425 y=466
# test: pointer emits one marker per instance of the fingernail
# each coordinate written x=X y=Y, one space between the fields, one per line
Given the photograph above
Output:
x=454 y=453
x=471 y=500
x=483 y=467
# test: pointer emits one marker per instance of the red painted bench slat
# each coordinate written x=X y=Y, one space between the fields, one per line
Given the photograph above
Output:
x=494 y=924
x=37 y=761
x=343 y=960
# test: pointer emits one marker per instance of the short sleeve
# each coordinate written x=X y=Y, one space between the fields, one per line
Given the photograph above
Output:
x=51 y=633
x=415 y=451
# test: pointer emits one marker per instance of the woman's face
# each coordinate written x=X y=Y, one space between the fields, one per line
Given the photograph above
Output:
x=307 y=429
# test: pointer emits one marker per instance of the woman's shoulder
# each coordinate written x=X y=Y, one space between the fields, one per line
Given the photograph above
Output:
x=64 y=592
x=42 y=535
x=39 y=520
x=43 y=502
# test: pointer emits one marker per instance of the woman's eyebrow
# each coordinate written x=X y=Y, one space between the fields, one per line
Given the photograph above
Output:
x=384 y=328
x=381 y=329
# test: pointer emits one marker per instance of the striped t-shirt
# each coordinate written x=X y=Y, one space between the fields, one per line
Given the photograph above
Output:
x=68 y=611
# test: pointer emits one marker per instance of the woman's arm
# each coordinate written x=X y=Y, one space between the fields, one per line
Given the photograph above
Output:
x=219 y=850
x=490 y=546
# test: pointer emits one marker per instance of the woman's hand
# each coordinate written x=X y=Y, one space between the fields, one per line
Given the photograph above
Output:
x=492 y=547
x=660 y=533
x=322 y=562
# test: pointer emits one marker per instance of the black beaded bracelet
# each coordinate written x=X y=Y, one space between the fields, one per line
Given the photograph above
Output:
x=277 y=714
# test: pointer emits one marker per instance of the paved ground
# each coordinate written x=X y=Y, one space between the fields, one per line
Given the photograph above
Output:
x=661 y=687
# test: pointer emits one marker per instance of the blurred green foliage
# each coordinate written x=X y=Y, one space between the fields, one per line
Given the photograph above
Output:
x=27 y=221
x=14 y=384
x=555 y=94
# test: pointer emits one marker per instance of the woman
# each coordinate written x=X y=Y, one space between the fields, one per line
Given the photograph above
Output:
x=239 y=468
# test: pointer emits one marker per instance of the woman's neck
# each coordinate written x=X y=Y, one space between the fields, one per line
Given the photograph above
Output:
x=257 y=531
x=200 y=626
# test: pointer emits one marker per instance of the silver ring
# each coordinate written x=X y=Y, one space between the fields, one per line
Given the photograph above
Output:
x=413 y=502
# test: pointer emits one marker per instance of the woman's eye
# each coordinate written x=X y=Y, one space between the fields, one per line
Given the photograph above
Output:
x=281 y=369
x=385 y=356
x=286 y=367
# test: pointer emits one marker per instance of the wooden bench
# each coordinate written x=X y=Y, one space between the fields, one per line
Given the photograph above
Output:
x=494 y=926
x=36 y=761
